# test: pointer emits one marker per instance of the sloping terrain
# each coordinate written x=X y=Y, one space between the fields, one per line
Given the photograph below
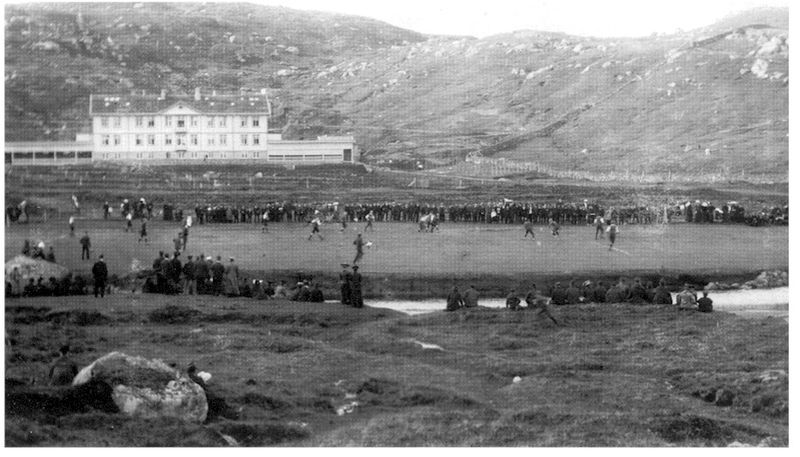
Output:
x=711 y=103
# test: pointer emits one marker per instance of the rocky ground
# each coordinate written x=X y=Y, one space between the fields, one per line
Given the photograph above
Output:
x=294 y=374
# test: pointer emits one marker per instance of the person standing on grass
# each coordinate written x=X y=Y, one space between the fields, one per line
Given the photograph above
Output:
x=315 y=223
x=264 y=222
x=528 y=224
x=86 y=243
x=217 y=275
x=185 y=234
x=345 y=277
x=355 y=289
x=359 y=244
x=599 y=224
x=100 y=274
x=190 y=282
x=232 y=279
x=72 y=226
x=143 y=231
x=370 y=218
x=129 y=222
x=554 y=227
x=612 y=234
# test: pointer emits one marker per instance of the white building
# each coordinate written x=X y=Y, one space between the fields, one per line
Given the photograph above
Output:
x=207 y=127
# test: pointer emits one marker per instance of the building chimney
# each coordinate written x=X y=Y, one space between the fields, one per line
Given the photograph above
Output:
x=163 y=94
x=197 y=94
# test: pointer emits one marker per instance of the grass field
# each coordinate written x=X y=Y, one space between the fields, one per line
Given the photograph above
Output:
x=458 y=250
x=612 y=375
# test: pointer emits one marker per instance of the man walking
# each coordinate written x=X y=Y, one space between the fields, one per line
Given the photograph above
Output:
x=612 y=234
x=315 y=223
x=370 y=218
x=72 y=226
x=100 y=273
x=599 y=225
x=143 y=231
x=85 y=245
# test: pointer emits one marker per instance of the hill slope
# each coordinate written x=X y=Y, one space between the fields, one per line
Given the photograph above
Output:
x=711 y=102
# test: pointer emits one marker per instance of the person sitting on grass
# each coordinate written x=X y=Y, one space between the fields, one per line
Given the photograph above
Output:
x=512 y=301
x=638 y=293
x=687 y=298
x=316 y=295
x=470 y=297
x=454 y=300
x=573 y=293
x=662 y=295
x=559 y=295
x=62 y=370
x=705 y=304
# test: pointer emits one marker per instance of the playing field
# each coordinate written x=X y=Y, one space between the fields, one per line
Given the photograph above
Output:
x=460 y=249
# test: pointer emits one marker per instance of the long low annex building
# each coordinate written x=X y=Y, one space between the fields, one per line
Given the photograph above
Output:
x=163 y=129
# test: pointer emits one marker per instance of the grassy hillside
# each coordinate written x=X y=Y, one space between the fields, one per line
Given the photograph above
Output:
x=701 y=105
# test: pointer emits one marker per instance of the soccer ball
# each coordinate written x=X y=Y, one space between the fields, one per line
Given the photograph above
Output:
x=369 y=244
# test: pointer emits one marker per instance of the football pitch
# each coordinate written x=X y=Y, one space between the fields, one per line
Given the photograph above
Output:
x=398 y=248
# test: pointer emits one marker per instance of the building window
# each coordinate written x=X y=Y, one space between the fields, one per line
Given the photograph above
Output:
x=255 y=154
x=244 y=140
x=180 y=140
x=223 y=140
x=138 y=121
x=151 y=122
x=222 y=121
x=194 y=140
x=211 y=122
x=104 y=122
x=194 y=121
x=117 y=122
x=117 y=140
x=151 y=140
x=211 y=141
x=138 y=155
x=168 y=140
x=256 y=140
x=106 y=140
x=255 y=122
x=243 y=121
x=139 y=140
x=181 y=122
x=168 y=121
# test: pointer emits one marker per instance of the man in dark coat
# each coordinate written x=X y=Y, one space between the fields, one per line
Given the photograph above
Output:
x=217 y=274
x=190 y=283
x=600 y=292
x=638 y=293
x=705 y=304
x=201 y=274
x=100 y=273
x=345 y=278
x=85 y=245
x=355 y=289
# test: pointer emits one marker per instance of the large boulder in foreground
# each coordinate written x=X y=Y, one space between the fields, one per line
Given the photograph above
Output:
x=147 y=388
x=34 y=269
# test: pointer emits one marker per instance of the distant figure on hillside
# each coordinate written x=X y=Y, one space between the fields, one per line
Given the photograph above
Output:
x=612 y=234
x=315 y=223
x=265 y=222
x=100 y=274
x=62 y=370
x=470 y=297
x=454 y=300
x=512 y=300
x=529 y=229
x=705 y=304
x=143 y=231
x=72 y=226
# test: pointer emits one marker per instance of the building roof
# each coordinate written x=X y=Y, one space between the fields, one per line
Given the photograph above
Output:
x=154 y=103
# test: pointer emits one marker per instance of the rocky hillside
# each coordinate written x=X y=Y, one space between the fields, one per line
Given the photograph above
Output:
x=707 y=103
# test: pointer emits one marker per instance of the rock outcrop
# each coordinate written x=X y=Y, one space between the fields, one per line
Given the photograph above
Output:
x=147 y=388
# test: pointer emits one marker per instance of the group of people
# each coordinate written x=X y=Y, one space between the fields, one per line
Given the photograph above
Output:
x=505 y=212
x=38 y=251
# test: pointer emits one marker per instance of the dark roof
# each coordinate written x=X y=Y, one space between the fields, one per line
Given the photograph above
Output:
x=152 y=104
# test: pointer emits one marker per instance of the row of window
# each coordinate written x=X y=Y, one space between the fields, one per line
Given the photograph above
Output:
x=180 y=140
x=181 y=121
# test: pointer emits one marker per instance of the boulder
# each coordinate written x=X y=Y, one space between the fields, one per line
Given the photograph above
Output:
x=35 y=268
x=759 y=68
x=724 y=398
x=147 y=388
